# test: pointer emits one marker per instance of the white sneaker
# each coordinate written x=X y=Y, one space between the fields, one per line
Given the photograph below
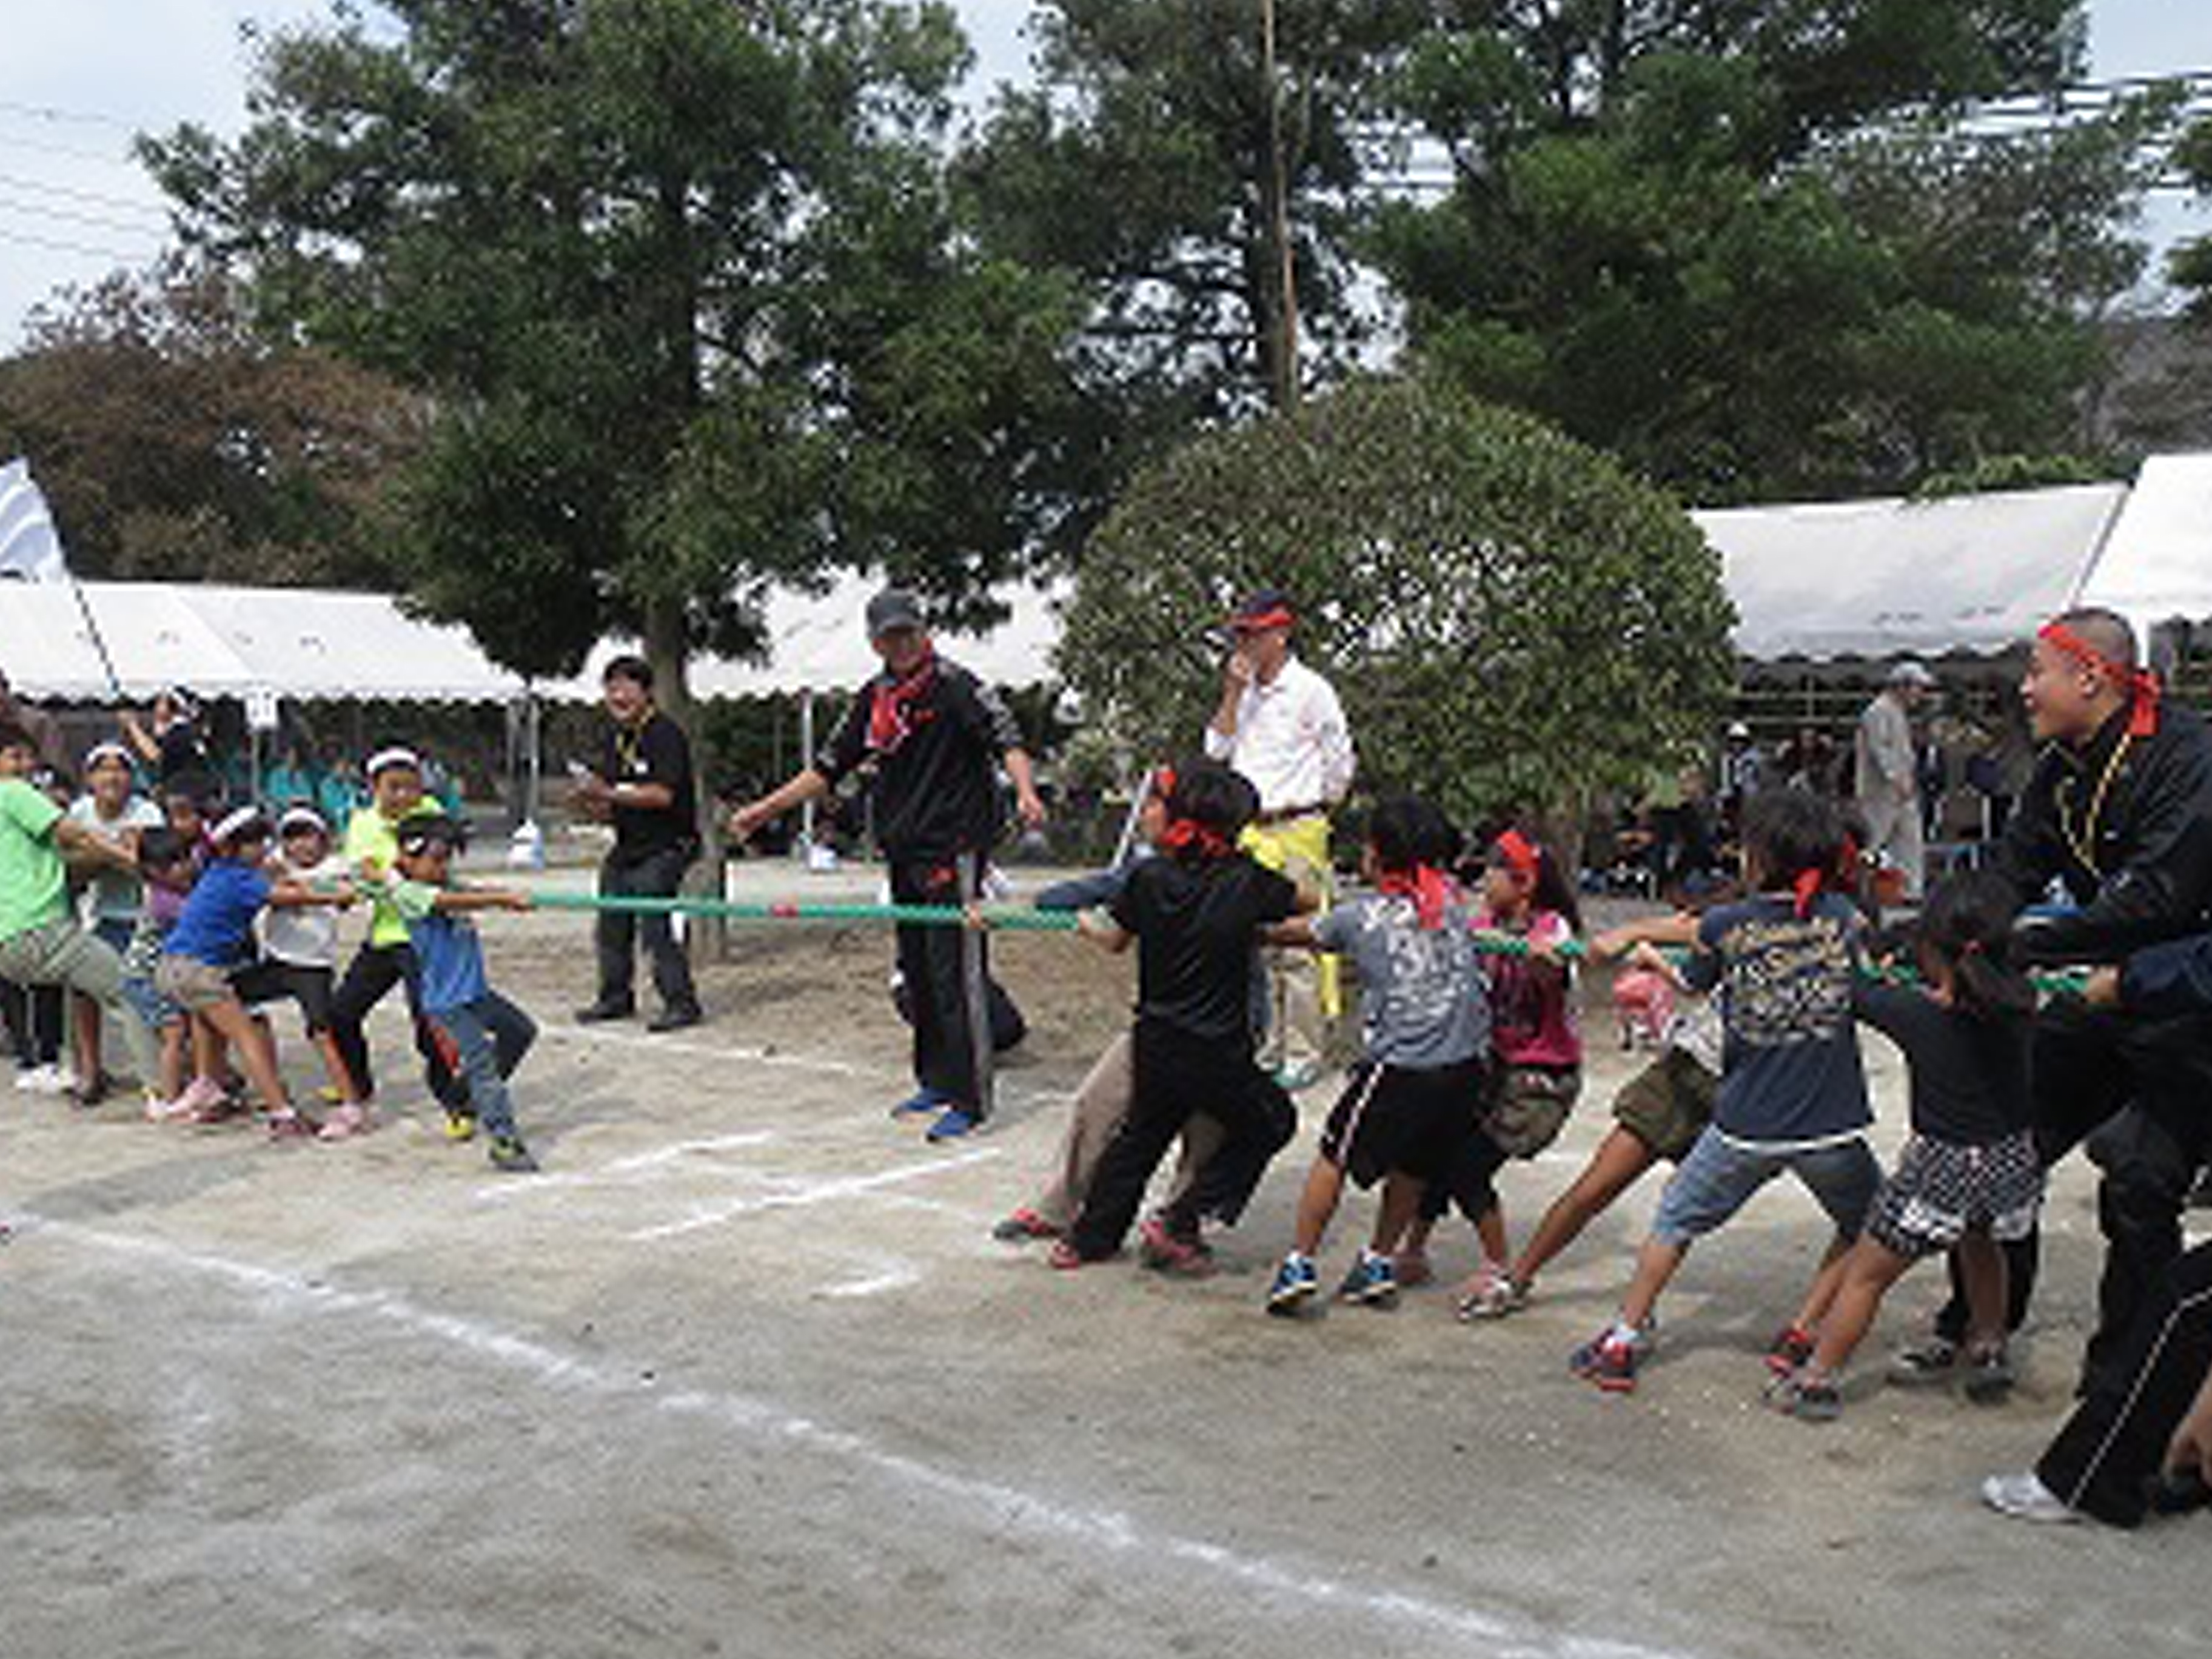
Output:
x=2025 y=1498
x=47 y=1080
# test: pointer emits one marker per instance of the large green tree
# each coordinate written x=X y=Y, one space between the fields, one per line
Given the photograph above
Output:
x=1514 y=623
x=1747 y=245
x=681 y=278
x=174 y=442
x=1157 y=161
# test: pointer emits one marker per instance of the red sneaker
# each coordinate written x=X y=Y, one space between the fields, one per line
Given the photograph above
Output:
x=1168 y=1252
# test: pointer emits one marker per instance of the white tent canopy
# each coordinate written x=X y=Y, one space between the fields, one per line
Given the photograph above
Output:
x=314 y=643
x=1873 y=579
x=229 y=641
x=1879 y=578
x=2156 y=564
x=819 y=642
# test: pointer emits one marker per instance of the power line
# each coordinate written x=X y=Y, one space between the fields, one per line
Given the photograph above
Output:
x=23 y=238
x=9 y=204
x=54 y=112
x=101 y=198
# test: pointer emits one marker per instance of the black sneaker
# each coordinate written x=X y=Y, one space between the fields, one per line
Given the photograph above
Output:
x=674 y=1019
x=1925 y=1365
x=593 y=1012
x=1986 y=1377
x=510 y=1156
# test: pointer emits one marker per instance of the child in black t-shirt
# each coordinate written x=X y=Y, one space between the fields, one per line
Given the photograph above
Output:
x=1969 y=1176
x=1194 y=913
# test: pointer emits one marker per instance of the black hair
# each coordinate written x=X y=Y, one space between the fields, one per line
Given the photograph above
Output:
x=416 y=835
x=197 y=787
x=1788 y=832
x=159 y=848
x=1967 y=924
x=634 y=669
x=15 y=737
x=1555 y=891
x=1214 y=798
x=1406 y=830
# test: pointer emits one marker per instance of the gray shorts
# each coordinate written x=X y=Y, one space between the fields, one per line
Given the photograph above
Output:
x=1719 y=1176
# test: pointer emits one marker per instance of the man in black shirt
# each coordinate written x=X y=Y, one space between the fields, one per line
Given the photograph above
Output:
x=643 y=786
x=928 y=736
x=2119 y=813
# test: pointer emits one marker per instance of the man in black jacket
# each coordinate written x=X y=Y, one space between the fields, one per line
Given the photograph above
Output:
x=2119 y=813
x=643 y=787
x=929 y=737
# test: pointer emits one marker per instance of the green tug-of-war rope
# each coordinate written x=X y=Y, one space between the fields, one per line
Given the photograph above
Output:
x=1016 y=919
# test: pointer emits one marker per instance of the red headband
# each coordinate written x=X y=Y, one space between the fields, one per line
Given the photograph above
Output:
x=1522 y=856
x=2143 y=689
x=1280 y=617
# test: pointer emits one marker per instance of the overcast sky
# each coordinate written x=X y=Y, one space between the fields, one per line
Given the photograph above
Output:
x=78 y=78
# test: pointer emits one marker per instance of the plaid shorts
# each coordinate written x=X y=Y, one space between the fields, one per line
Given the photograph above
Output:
x=1941 y=1189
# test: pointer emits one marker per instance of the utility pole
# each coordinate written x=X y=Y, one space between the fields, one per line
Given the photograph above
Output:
x=1284 y=387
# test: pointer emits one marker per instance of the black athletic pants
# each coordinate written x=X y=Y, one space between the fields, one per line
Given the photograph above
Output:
x=1176 y=1076
x=2103 y=1459
x=656 y=875
x=2139 y=1092
x=931 y=962
x=374 y=970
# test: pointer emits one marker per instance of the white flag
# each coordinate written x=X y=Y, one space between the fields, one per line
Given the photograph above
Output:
x=29 y=549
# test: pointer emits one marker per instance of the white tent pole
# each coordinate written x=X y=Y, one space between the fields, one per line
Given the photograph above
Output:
x=806 y=756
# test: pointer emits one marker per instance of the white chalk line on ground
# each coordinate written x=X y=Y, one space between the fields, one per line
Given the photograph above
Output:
x=631 y=1171
x=793 y=1193
x=997 y=1503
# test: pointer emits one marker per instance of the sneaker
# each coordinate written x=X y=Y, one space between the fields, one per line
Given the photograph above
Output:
x=85 y=1093
x=290 y=1125
x=201 y=1095
x=1164 y=1250
x=1023 y=1225
x=952 y=1124
x=46 y=1079
x=1493 y=1293
x=328 y=1094
x=2025 y=1498
x=1986 y=1377
x=345 y=1121
x=1064 y=1257
x=1610 y=1360
x=593 y=1013
x=674 y=1019
x=510 y=1157
x=1295 y=1284
x=1412 y=1267
x=1792 y=1347
x=1297 y=1075
x=1808 y=1401
x=921 y=1101
x=1924 y=1364
x=1372 y=1282
x=460 y=1124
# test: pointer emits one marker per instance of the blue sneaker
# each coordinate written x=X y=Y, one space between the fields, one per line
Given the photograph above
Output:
x=1295 y=1285
x=921 y=1101
x=1372 y=1282
x=952 y=1123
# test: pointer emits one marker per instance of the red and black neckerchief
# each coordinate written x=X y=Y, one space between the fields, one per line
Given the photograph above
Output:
x=892 y=703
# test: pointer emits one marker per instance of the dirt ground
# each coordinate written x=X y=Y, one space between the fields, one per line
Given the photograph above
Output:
x=741 y=1373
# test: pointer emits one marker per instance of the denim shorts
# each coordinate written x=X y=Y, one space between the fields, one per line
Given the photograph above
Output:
x=1719 y=1176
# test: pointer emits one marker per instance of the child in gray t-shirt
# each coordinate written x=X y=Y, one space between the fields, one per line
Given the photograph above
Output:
x=1413 y=1097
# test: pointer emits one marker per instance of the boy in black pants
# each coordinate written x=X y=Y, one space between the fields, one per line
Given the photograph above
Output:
x=1194 y=913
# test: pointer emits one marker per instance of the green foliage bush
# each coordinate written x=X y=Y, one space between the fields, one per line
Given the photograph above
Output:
x=1512 y=620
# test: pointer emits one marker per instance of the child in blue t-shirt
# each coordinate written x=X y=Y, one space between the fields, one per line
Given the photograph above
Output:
x=214 y=937
x=491 y=1034
x=1792 y=1093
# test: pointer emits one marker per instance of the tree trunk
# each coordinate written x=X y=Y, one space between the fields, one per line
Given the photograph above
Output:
x=668 y=653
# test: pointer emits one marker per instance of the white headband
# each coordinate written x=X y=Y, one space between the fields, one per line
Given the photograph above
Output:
x=243 y=818
x=385 y=759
